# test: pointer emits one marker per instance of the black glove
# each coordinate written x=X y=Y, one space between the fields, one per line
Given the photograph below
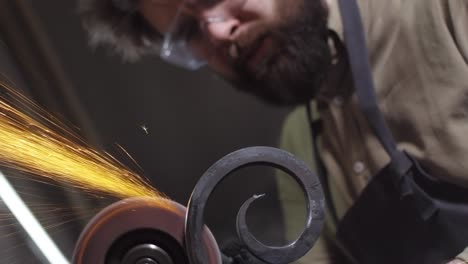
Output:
x=234 y=252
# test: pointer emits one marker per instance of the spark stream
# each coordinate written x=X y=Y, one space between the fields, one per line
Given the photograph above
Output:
x=44 y=146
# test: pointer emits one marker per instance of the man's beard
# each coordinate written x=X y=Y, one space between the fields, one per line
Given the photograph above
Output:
x=295 y=72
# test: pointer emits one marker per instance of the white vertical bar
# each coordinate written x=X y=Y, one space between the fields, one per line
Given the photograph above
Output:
x=30 y=224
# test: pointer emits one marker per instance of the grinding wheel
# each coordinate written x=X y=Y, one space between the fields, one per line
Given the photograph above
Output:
x=140 y=231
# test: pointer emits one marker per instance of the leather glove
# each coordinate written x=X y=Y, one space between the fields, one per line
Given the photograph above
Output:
x=235 y=253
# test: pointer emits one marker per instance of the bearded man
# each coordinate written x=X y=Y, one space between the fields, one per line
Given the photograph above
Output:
x=292 y=52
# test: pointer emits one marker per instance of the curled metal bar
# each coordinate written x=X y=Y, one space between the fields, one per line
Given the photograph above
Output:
x=267 y=156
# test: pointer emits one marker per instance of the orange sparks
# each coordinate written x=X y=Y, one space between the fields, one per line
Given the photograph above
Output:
x=48 y=149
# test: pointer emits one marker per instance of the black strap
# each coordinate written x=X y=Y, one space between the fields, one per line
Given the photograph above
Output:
x=315 y=125
x=363 y=83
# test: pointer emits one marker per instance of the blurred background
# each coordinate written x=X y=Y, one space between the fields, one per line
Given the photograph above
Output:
x=174 y=123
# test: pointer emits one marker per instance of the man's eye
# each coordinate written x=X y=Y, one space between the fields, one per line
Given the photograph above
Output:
x=195 y=30
x=211 y=2
x=190 y=28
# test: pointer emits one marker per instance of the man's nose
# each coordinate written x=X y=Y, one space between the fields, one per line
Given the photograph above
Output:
x=221 y=29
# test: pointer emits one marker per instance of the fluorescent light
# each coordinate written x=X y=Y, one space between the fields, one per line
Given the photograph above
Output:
x=30 y=224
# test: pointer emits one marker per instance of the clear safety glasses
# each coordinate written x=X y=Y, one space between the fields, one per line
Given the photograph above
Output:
x=181 y=41
x=186 y=43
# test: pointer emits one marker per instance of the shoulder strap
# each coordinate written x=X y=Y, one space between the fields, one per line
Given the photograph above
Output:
x=315 y=125
x=363 y=83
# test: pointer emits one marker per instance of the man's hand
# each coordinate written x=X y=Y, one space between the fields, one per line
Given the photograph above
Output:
x=235 y=253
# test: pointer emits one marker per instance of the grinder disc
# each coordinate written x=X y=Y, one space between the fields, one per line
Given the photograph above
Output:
x=140 y=230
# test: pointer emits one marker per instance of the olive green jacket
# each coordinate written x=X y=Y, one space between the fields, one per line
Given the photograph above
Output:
x=419 y=59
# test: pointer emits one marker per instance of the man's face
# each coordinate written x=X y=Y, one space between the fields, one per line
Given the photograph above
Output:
x=275 y=49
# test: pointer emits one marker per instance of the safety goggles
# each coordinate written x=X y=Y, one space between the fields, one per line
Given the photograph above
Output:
x=186 y=43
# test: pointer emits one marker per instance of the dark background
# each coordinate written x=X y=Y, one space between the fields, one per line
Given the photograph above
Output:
x=193 y=118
